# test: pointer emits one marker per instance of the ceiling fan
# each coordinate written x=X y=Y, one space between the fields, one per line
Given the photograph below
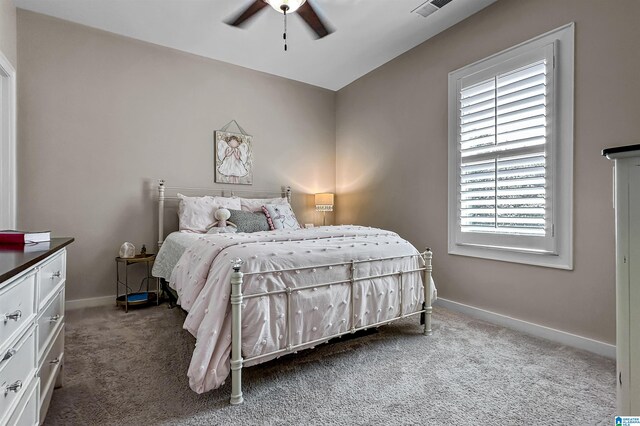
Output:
x=304 y=8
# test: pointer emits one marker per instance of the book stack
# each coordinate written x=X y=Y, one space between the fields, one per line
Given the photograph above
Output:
x=28 y=241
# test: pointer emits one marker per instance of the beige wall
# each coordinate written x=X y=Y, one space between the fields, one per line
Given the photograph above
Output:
x=8 y=31
x=102 y=117
x=392 y=156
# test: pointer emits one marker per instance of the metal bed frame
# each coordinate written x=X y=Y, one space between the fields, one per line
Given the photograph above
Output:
x=237 y=295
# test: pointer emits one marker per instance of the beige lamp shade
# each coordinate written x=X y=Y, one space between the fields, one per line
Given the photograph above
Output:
x=324 y=202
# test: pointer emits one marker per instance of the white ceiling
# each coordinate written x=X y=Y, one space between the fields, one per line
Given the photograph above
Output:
x=368 y=33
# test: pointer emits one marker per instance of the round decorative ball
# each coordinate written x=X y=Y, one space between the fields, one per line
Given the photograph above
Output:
x=127 y=250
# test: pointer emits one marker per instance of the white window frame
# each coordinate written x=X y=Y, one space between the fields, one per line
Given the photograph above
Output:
x=557 y=252
x=7 y=144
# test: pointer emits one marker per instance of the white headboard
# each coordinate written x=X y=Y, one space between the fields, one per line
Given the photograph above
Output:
x=168 y=199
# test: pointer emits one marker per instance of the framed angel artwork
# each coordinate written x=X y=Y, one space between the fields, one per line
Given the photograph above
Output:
x=233 y=158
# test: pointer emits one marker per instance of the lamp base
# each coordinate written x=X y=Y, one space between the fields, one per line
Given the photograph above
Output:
x=324 y=208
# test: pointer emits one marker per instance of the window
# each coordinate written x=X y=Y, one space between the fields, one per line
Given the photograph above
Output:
x=7 y=144
x=511 y=154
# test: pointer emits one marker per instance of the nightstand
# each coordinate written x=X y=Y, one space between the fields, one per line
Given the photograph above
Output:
x=130 y=297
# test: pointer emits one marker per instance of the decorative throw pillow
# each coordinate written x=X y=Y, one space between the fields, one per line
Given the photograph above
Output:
x=280 y=216
x=255 y=204
x=195 y=214
x=249 y=221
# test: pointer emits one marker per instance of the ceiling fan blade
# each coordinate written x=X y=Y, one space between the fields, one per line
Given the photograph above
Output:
x=247 y=14
x=313 y=20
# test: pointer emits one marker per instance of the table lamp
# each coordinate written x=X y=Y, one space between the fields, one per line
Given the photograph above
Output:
x=324 y=204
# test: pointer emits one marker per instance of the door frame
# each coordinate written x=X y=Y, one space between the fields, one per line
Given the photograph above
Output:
x=8 y=185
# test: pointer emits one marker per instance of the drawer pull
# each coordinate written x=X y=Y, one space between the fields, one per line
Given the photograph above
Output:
x=55 y=275
x=15 y=315
x=14 y=387
x=55 y=361
x=54 y=318
x=9 y=354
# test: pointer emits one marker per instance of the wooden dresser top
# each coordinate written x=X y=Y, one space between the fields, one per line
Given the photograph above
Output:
x=14 y=259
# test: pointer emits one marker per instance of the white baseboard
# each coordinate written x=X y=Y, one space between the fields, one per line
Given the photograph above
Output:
x=90 y=302
x=562 y=337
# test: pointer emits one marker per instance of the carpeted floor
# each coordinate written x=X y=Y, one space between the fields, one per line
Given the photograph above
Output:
x=130 y=369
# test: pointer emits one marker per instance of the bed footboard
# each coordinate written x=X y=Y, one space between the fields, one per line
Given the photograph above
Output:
x=237 y=298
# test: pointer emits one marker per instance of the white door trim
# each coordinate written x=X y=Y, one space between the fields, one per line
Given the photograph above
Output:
x=7 y=144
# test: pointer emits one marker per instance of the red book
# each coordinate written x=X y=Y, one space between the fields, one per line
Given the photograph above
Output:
x=21 y=237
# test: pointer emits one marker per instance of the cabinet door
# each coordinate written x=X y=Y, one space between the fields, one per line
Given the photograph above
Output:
x=634 y=286
x=622 y=284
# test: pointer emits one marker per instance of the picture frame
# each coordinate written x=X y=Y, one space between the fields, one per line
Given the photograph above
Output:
x=233 y=158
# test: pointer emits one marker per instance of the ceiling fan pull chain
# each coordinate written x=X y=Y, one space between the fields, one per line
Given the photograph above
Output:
x=284 y=35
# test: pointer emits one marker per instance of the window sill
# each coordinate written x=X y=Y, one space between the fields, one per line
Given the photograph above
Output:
x=506 y=255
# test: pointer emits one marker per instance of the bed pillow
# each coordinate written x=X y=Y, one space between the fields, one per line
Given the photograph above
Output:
x=280 y=216
x=249 y=221
x=195 y=214
x=229 y=202
x=255 y=204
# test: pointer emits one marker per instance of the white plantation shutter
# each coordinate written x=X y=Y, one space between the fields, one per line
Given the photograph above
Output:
x=510 y=156
x=505 y=154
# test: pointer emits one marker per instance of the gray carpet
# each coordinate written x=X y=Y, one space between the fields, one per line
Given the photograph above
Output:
x=130 y=369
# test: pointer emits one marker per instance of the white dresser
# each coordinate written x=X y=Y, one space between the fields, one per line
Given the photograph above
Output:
x=31 y=330
x=627 y=205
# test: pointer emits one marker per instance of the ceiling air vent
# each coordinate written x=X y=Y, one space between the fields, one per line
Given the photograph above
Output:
x=440 y=3
x=426 y=9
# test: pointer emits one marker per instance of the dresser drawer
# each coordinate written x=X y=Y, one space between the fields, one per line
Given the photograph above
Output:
x=49 y=320
x=17 y=308
x=49 y=370
x=52 y=273
x=26 y=413
x=17 y=370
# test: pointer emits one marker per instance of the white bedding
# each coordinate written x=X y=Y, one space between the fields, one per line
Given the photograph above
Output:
x=202 y=281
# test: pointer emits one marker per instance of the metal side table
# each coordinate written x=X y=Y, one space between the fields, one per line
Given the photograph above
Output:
x=129 y=297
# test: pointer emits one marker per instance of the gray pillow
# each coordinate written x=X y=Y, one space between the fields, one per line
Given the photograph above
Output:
x=249 y=221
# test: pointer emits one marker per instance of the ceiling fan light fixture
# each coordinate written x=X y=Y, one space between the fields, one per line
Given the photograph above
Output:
x=289 y=5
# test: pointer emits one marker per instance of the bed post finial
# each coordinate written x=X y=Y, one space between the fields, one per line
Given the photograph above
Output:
x=236 y=332
x=428 y=268
x=236 y=264
x=287 y=191
x=160 y=212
